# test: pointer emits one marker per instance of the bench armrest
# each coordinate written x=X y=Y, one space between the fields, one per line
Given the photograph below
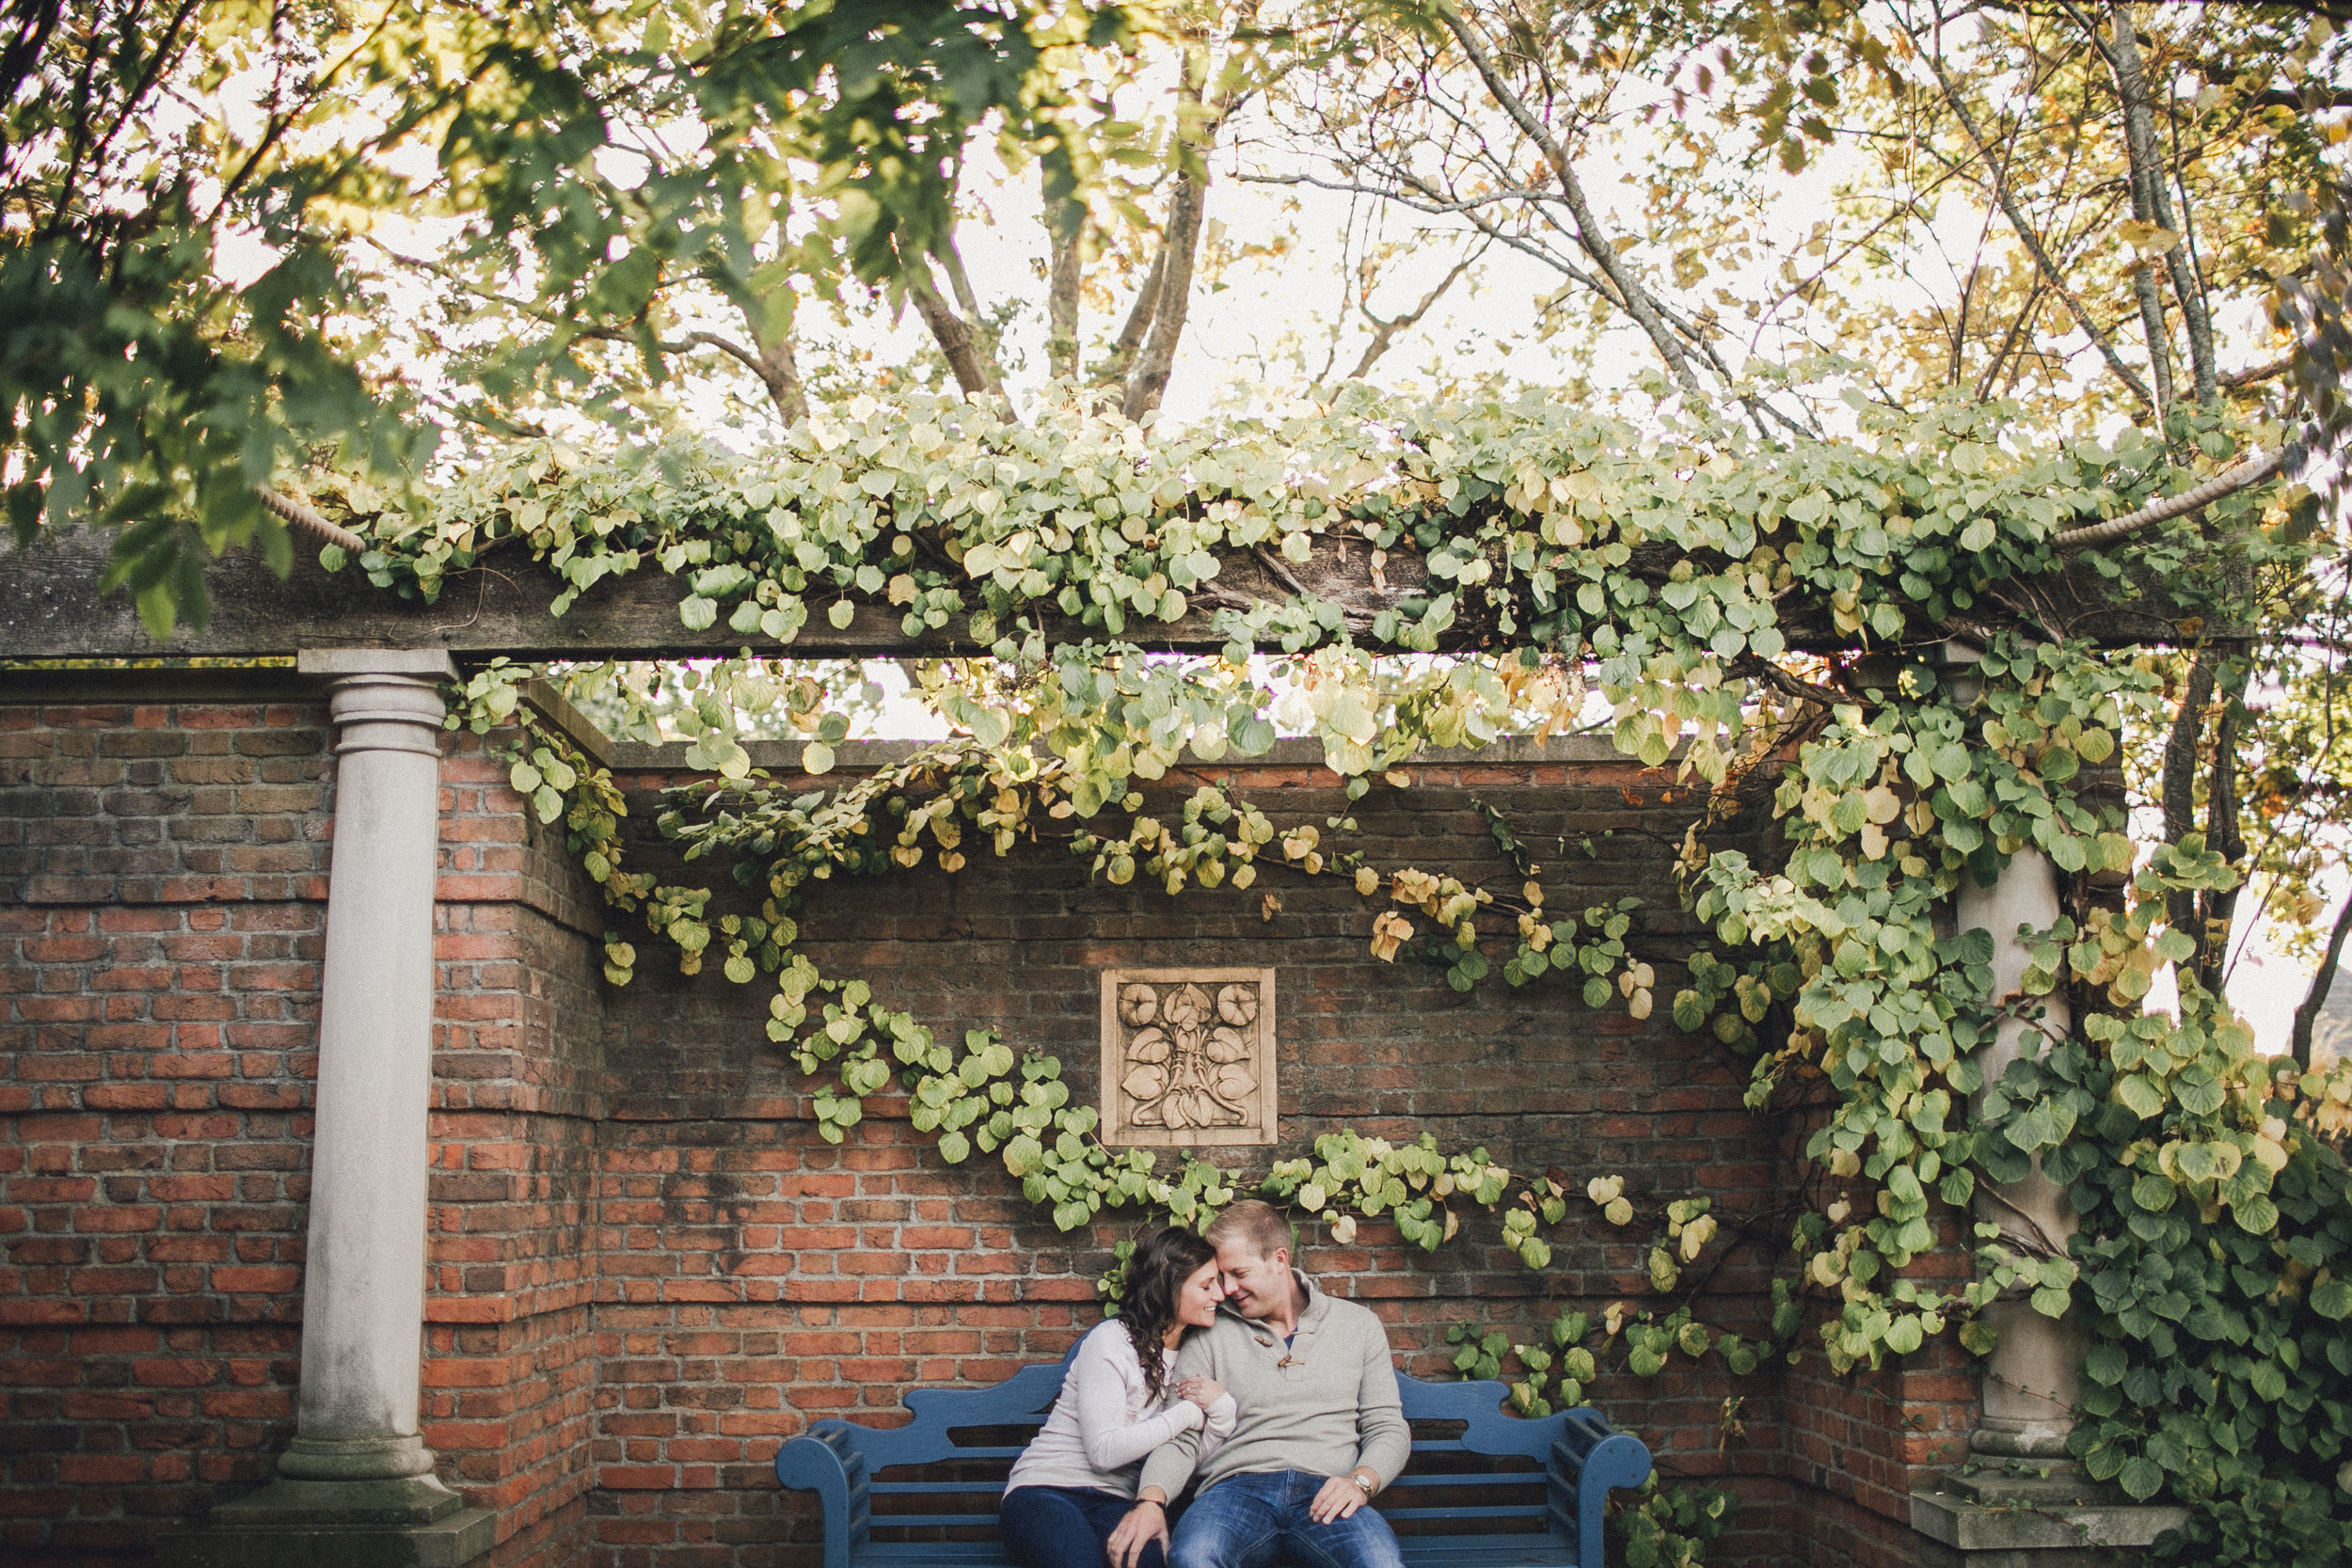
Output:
x=826 y=1463
x=1593 y=1457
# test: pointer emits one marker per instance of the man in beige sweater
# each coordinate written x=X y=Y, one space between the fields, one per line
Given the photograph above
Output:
x=1319 y=1429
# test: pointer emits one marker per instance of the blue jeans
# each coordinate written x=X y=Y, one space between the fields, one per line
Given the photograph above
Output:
x=1258 y=1520
x=1063 y=1527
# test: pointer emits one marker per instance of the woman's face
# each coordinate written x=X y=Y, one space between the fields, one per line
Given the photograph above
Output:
x=1196 y=1299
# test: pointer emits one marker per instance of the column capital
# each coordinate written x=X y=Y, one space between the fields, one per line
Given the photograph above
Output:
x=383 y=699
x=429 y=663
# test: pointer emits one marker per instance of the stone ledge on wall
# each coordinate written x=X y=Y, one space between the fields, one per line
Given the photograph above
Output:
x=865 y=756
x=2055 y=1517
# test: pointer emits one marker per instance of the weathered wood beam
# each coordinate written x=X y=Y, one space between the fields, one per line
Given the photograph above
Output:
x=51 y=608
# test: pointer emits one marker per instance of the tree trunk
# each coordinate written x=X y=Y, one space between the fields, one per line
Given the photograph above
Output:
x=2224 y=835
x=2181 y=751
x=1172 y=299
x=1174 y=295
x=2315 y=999
x=2148 y=190
x=953 y=337
x=1061 y=307
x=1138 y=320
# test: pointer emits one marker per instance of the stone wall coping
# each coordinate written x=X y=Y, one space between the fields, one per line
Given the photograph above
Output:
x=286 y=683
x=865 y=756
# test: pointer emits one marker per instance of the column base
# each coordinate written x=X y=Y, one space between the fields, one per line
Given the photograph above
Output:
x=388 y=1522
x=2044 y=1516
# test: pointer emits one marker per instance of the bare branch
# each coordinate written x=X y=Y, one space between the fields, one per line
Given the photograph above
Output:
x=1531 y=193
x=1637 y=299
x=2026 y=236
x=1384 y=332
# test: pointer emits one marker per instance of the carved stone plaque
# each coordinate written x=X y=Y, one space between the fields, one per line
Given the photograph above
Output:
x=1188 y=1057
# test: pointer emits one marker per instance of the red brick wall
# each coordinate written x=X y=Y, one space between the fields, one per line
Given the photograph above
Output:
x=510 y=1342
x=646 y=1270
x=161 y=878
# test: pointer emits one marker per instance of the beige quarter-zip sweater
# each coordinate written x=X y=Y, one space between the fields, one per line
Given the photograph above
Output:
x=1325 y=1403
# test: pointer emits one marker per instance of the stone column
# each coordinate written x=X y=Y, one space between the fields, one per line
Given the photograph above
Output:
x=2033 y=1378
x=356 y=1485
x=2021 y=1495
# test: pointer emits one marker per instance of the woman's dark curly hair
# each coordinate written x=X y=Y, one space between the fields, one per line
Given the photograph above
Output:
x=1161 y=1264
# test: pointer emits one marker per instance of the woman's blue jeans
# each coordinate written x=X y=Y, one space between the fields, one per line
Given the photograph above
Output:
x=1064 y=1527
x=1258 y=1520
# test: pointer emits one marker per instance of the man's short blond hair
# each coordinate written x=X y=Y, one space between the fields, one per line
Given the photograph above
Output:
x=1260 y=1224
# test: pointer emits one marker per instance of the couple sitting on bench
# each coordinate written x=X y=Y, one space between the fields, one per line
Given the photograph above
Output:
x=1226 y=1367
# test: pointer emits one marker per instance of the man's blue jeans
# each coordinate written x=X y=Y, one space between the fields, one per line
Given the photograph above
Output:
x=1256 y=1521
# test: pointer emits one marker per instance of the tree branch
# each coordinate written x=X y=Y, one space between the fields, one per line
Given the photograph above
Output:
x=308 y=521
x=2025 y=235
x=1638 y=303
x=1384 y=332
x=973 y=376
x=2148 y=189
x=2257 y=374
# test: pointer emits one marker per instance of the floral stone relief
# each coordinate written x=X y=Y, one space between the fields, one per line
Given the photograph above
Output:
x=1188 y=1057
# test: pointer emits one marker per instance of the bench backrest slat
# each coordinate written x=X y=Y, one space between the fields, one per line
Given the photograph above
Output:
x=1026 y=1399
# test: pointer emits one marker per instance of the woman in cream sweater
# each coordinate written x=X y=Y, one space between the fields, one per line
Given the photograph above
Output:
x=1074 y=1483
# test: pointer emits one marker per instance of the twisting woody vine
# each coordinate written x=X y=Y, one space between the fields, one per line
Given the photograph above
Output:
x=1552 y=543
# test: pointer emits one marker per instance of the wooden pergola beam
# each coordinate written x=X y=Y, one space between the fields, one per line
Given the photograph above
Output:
x=51 y=608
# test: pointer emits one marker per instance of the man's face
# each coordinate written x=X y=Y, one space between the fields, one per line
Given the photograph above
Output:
x=1255 y=1286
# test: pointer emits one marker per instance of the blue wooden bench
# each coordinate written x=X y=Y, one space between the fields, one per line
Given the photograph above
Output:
x=1484 y=1489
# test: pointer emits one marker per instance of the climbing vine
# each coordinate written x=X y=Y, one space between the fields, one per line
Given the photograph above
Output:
x=1540 y=549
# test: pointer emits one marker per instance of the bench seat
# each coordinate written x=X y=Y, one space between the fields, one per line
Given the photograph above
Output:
x=1483 y=1490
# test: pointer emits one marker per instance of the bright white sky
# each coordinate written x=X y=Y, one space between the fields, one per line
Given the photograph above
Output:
x=1235 y=332
x=1243 y=338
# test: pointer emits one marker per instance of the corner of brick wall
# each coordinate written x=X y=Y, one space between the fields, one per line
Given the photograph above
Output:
x=510 y=1364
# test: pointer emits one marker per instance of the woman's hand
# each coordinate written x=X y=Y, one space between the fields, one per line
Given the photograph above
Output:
x=1145 y=1522
x=1203 y=1391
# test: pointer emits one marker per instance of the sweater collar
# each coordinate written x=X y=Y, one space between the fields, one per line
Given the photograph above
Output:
x=1311 y=1315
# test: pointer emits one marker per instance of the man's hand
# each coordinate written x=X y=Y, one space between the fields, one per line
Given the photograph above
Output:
x=1340 y=1498
x=1145 y=1522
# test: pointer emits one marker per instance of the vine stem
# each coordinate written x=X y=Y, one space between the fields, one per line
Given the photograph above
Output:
x=308 y=521
x=2257 y=467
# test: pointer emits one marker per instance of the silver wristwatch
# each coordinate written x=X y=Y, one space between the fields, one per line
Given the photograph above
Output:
x=1361 y=1482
